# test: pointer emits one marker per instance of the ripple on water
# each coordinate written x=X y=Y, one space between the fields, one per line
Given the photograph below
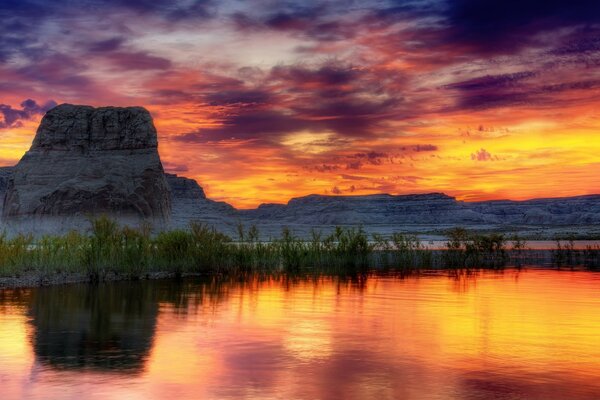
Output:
x=530 y=334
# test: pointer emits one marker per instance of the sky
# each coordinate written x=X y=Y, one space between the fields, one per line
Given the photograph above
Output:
x=262 y=101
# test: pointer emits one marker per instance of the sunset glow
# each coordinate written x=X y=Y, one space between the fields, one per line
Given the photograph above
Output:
x=263 y=101
x=530 y=334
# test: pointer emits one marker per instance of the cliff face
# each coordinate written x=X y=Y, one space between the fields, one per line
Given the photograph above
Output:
x=190 y=204
x=86 y=161
x=368 y=210
x=428 y=209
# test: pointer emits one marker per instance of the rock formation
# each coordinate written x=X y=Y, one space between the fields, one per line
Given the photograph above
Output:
x=428 y=209
x=190 y=204
x=86 y=161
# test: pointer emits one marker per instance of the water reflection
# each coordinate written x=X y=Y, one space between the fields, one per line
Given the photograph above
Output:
x=470 y=335
x=106 y=327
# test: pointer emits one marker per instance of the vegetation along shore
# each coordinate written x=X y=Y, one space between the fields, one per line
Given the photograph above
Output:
x=111 y=252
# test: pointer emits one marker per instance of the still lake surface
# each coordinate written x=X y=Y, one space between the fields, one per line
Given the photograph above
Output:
x=528 y=334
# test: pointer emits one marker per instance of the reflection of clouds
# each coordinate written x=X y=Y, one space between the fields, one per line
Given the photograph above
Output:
x=308 y=340
x=376 y=338
x=252 y=368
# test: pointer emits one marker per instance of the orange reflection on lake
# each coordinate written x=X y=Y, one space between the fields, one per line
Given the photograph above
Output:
x=485 y=335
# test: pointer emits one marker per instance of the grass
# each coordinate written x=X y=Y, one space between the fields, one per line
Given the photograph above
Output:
x=134 y=253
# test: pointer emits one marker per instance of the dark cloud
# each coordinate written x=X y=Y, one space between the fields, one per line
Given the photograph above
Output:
x=505 y=26
x=23 y=31
x=323 y=76
x=138 y=61
x=106 y=45
x=252 y=125
x=331 y=97
x=491 y=81
x=372 y=157
x=483 y=155
x=323 y=168
x=316 y=20
x=58 y=70
x=171 y=10
x=424 y=147
x=525 y=88
x=354 y=165
x=579 y=42
x=353 y=177
x=13 y=117
x=239 y=96
x=492 y=91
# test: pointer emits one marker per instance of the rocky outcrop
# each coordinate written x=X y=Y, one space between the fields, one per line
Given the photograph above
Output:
x=427 y=209
x=370 y=209
x=191 y=205
x=86 y=161
x=184 y=188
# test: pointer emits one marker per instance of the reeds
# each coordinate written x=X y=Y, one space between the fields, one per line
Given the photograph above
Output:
x=134 y=253
x=466 y=249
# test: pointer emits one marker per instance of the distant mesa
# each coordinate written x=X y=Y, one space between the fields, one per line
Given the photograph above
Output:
x=86 y=161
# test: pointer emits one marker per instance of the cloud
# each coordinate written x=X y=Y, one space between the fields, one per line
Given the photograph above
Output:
x=483 y=155
x=424 y=147
x=491 y=81
x=174 y=167
x=12 y=117
x=506 y=26
x=107 y=45
x=263 y=125
x=238 y=96
x=321 y=21
x=138 y=60
x=327 y=97
x=322 y=168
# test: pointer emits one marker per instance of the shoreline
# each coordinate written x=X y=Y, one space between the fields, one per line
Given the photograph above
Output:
x=37 y=279
x=34 y=279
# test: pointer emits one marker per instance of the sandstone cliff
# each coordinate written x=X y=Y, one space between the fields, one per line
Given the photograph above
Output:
x=429 y=209
x=86 y=161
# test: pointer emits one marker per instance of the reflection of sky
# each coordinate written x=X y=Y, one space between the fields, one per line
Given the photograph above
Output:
x=265 y=100
x=530 y=334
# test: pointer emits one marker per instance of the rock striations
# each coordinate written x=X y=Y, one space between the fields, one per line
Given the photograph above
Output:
x=429 y=209
x=87 y=161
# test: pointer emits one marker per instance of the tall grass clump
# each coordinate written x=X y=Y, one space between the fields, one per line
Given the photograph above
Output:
x=466 y=249
x=565 y=253
x=174 y=250
x=211 y=248
x=402 y=251
x=14 y=253
x=58 y=253
x=294 y=253
x=591 y=257
x=102 y=247
x=134 y=254
x=348 y=247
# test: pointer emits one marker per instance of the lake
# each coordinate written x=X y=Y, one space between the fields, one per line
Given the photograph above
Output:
x=514 y=334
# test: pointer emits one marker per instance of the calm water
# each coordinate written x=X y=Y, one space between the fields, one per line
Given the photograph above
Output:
x=531 y=334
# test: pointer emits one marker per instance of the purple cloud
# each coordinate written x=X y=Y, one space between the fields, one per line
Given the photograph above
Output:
x=12 y=117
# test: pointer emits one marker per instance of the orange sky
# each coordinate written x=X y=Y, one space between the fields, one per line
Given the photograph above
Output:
x=261 y=105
